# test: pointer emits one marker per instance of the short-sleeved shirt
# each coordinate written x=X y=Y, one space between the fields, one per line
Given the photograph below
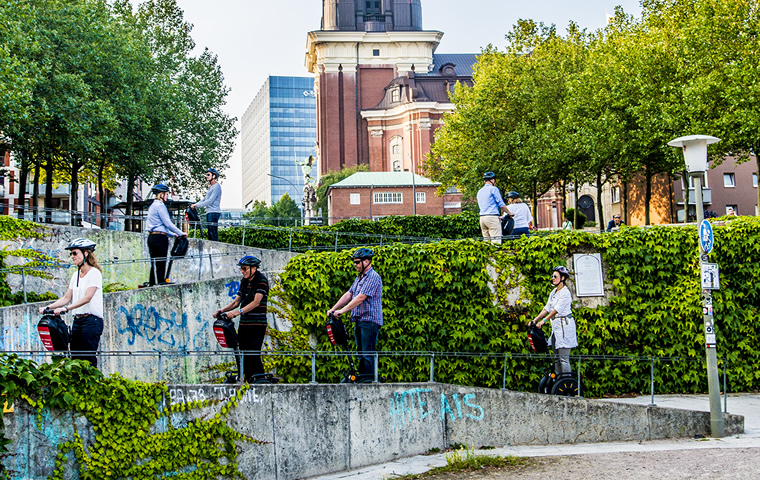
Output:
x=93 y=279
x=521 y=213
x=247 y=293
x=563 y=324
x=371 y=309
x=489 y=200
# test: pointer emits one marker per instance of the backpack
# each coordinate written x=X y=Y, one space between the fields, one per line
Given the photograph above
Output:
x=507 y=225
x=224 y=330
x=537 y=340
x=180 y=247
x=336 y=330
x=54 y=333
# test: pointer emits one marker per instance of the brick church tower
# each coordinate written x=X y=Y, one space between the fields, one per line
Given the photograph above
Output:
x=381 y=89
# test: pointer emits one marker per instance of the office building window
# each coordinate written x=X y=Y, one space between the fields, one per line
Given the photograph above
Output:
x=615 y=194
x=355 y=199
x=754 y=180
x=705 y=183
x=732 y=210
x=375 y=52
x=420 y=197
x=388 y=197
x=729 y=180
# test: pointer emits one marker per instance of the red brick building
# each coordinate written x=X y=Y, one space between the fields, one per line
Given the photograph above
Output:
x=379 y=194
x=381 y=89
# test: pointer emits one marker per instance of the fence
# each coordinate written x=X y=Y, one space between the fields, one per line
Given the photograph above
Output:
x=432 y=358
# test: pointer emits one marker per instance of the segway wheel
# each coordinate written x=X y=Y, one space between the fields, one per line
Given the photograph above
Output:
x=544 y=384
x=566 y=387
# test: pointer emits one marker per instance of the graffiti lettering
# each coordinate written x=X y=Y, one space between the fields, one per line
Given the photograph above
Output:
x=233 y=286
x=409 y=405
x=222 y=393
x=150 y=325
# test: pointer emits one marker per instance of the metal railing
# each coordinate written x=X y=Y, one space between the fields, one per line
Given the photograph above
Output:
x=432 y=357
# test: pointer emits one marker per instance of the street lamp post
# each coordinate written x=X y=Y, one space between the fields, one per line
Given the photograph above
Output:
x=292 y=184
x=695 y=153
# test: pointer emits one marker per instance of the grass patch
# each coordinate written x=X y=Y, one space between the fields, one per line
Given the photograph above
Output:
x=464 y=459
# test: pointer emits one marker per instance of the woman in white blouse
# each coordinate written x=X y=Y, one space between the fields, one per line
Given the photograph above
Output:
x=84 y=299
x=558 y=311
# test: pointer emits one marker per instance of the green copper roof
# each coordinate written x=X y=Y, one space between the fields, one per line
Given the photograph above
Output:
x=384 y=179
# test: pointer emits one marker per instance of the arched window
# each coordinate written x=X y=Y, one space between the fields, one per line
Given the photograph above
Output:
x=586 y=206
x=397 y=153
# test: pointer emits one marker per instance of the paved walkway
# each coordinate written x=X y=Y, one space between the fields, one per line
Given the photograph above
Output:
x=634 y=458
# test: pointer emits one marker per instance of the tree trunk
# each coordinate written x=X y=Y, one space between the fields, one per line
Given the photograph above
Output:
x=624 y=199
x=23 y=177
x=564 y=196
x=575 y=203
x=686 y=197
x=647 y=196
x=49 y=190
x=102 y=198
x=670 y=196
x=535 y=204
x=36 y=190
x=128 y=224
x=599 y=206
x=74 y=195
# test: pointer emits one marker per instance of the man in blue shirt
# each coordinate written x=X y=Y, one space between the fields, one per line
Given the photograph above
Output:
x=160 y=228
x=365 y=302
x=212 y=202
x=490 y=202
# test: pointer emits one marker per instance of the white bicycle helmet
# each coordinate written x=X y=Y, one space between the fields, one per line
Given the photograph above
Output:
x=82 y=244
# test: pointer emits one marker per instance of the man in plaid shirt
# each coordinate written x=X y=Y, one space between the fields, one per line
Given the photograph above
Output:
x=364 y=300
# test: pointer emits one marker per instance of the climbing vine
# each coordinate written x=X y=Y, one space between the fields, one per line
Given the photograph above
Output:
x=13 y=229
x=439 y=297
x=135 y=435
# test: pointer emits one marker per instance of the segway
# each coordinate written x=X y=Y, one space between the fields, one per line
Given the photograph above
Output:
x=54 y=333
x=179 y=250
x=564 y=384
x=226 y=336
x=192 y=217
x=336 y=331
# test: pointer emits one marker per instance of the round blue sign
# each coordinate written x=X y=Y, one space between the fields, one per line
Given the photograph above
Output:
x=706 y=237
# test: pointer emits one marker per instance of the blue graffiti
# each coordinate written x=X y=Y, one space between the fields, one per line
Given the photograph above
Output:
x=150 y=325
x=233 y=286
x=409 y=405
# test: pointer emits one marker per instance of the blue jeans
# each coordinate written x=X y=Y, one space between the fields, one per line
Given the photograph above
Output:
x=366 y=345
x=516 y=232
x=213 y=226
x=85 y=338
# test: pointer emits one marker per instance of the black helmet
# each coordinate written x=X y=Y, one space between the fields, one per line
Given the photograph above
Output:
x=213 y=171
x=513 y=194
x=249 y=261
x=489 y=176
x=159 y=188
x=82 y=244
x=563 y=271
x=363 y=253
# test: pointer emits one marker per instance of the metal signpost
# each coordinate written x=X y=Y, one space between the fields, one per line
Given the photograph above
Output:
x=695 y=152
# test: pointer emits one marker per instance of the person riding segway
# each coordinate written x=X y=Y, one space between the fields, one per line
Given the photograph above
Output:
x=250 y=304
x=558 y=311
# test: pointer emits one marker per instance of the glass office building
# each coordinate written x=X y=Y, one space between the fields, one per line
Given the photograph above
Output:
x=279 y=131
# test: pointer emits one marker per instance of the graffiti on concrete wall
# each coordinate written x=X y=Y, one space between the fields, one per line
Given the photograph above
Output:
x=407 y=406
x=234 y=287
x=159 y=331
x=216 y=393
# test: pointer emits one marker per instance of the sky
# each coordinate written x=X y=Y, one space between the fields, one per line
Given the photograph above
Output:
x=256 y=38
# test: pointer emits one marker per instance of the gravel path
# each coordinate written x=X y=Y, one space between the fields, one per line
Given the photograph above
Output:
x=672 y=464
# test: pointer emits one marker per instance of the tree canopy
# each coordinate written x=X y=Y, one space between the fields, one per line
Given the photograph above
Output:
x=98 y=89
x=583 y=107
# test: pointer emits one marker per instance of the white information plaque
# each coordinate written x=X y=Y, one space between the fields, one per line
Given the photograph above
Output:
x=710 y=276
x=588 y=275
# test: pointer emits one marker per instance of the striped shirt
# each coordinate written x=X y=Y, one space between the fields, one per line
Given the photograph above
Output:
x=371 y=309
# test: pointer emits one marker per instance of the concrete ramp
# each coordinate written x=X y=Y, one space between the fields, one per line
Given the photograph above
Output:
x=318 y=429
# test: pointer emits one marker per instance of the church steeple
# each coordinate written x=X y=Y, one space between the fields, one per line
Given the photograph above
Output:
x=372 y=15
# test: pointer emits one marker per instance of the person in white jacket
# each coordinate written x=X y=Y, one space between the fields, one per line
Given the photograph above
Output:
x=558 y=311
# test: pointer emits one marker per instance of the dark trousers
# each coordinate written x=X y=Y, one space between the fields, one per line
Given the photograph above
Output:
x=158 y=247
x=85 y=338
x=366 y=345
x=251 y=337
x=213 y=226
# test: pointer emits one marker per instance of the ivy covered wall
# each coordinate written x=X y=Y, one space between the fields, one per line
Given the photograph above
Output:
x=439 y=297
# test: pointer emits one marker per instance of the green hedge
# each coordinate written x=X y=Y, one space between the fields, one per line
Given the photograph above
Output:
x=437 y=297
x=464 y=225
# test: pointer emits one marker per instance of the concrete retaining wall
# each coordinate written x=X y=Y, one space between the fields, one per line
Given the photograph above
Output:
x=317 y=429
x=129 y=247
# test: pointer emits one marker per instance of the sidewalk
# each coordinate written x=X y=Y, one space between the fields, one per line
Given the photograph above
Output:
x=740 y=404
